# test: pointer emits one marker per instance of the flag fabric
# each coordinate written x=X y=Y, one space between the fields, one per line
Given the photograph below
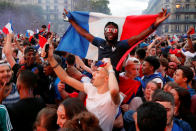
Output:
x=29 y=33
x=42 y=41
x=192 y=31
x=37 y=31
x=94 y=23
x=8 y=28
x=49 y=27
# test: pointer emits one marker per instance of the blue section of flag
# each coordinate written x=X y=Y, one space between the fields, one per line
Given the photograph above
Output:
x=27 y=34
x=71 y=41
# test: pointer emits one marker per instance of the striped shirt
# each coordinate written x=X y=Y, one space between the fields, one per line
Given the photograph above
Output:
x=13 y=97
x=5 y=124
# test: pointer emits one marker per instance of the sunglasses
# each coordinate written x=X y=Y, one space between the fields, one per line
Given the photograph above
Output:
x=113 y=30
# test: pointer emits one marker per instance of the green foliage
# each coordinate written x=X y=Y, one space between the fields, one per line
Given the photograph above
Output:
x=93 y=6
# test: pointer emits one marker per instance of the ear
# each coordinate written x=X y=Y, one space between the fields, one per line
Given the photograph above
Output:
x=184 y=79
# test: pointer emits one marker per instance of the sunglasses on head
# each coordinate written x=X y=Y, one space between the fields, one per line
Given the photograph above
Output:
x=113 y=30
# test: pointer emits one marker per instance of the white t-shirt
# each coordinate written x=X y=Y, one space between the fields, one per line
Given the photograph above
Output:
x=101 y=105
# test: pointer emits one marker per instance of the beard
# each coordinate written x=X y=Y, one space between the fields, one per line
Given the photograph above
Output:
x=112 y=41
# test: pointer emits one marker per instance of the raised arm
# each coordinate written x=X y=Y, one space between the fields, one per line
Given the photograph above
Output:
x=112 y=82
x=190 y=43
x=82 y=65
x=161 y=17
x=8 y=50
x=79 y=29
x=60 y=72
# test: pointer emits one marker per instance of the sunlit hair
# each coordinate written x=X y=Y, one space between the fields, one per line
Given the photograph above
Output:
x=132 y=59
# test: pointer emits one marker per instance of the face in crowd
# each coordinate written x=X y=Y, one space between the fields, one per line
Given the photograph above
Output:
x=150 y=88
x=111 y=33
x=5 y=74
x=132 y=69
x=30 y=57
x=99 y=77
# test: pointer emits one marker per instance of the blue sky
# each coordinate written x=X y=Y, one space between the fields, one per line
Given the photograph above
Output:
x=127 y=7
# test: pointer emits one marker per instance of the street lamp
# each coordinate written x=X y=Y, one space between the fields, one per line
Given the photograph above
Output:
x=178 y=6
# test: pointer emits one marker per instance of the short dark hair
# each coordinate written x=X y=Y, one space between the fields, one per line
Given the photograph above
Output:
x=163 y=96
x=71 y=59
x=153 y=61
x=164 y=62
x=112 y=23
x=43 y=26
x=187 y=72
x=151 y=116
x=28 y=78
x=141 y=53
x=29 y=48
x=73 y=106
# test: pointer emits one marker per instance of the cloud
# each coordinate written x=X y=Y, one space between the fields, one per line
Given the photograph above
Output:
x=127 y=7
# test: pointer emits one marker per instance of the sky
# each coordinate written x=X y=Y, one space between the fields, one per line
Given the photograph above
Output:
x=127 y=7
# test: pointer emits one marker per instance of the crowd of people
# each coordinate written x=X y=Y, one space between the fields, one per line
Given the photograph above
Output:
x=47 y=90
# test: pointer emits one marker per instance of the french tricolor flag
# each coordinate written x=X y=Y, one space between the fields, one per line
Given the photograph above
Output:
x=8 y=28
x=94 y=23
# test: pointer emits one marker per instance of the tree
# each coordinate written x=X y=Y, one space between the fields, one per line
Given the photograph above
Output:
x=93 y=6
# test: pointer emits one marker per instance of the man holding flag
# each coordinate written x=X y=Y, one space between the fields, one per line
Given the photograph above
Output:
x=111 y=47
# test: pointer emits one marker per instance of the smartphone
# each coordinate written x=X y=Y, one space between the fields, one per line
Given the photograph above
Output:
x=1 y=53
x=46 y=50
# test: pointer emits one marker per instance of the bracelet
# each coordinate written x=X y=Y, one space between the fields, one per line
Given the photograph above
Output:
x=111 y=71
x=55 y=66
x=153 y=27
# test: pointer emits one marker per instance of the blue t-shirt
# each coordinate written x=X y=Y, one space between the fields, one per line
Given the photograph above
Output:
x=114 y=53
x=176 y=127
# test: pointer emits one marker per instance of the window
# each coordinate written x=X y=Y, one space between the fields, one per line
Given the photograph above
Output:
x=186 y=27
x=177 y=28
x=177 y=17
x=47 y=8
x=167 y=0
x=55 y=8
x=166 y=28
x=187 y=0
x=39 y=1
x=186 y=17
x=187 y=6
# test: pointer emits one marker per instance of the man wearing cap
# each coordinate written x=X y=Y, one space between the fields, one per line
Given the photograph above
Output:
x=8 y=91
x=30 y=64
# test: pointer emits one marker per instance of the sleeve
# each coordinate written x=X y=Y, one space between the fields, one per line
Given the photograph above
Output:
x=89 y=89
x=5 y=120
x=98 y=41
x=124 y=44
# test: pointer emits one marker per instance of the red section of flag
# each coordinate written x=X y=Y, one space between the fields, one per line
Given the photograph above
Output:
x=192 y=31
x=128 y=87
x=134 y=25
x=5 y=30
x=42 y=41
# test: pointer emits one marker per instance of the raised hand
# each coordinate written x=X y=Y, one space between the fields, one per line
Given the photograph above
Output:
x=191 y=29
x=161 y=17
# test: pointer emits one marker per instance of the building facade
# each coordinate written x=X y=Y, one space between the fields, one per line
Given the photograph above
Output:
x=183 y=15
x=53 y=10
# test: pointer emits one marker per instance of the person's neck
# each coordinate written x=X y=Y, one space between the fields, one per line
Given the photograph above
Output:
x=26 y=94
x=183 y=85
x=163 y=73
x=129 y=76
x=150 y=73
x=169 y=127
x=102 y=89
